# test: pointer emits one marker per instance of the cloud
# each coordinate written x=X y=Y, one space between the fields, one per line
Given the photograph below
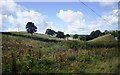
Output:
x=69 y=15
x=18 y=17
x=8 y=6
x=22 y=17
x=76 y=22
x=74 y=19
x=109 y=21
x=108 y=4
x=12 y=29
x=0 y=22
x=103 y=3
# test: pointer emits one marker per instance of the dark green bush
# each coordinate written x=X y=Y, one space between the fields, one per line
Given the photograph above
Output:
x=73 y=45
x=46 y=62
x=100 y=45
x=71 y=57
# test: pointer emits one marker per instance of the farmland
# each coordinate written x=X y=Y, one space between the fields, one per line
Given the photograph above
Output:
x=23 y=53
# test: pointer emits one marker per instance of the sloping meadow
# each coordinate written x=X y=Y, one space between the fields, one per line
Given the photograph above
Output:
x=27 y=55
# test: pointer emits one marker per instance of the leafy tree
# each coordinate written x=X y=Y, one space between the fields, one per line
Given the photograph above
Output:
x=60 y=34
x=67 y=35
x=118 y=36
x=31 y=28
x=50 y=32
x=83 y=38
x=75 y=36
x=88 y=37
x=95 y=34
x=115 y=33
x=106 y=32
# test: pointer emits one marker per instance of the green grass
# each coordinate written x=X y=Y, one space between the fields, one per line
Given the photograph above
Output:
x=105 y=38
x=45 y=54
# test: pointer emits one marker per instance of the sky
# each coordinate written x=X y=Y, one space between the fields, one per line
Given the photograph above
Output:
x=69 y=17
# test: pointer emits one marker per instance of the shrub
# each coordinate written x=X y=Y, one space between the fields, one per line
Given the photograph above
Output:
x=87 y=59
x=71 y=57
x=73 y=45
x=75 y=36
x=100 y=45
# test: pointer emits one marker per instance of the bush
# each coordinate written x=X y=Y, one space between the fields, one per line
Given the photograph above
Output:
x=71 y=57
x=73 y=45
x=75 y=36
x=100 y=45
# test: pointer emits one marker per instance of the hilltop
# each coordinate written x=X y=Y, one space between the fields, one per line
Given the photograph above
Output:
x=105 y=38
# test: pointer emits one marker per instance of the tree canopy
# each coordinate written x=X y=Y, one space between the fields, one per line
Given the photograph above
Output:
x=67 y=36
x=75 y=36
x=50 y=32
x=31 y=28
x=60 y=34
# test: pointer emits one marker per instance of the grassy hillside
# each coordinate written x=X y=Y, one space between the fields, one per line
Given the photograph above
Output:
x=44 y=54
x=105 y=38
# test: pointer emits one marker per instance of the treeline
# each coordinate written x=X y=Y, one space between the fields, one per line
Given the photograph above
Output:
x=97 y=33
x=58 y=34
x=93 y=34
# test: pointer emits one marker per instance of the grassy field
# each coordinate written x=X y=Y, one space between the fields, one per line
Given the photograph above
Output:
x=106 y=38
x=23 y=53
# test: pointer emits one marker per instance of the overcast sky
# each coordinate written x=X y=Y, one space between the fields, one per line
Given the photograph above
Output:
x=70 y=17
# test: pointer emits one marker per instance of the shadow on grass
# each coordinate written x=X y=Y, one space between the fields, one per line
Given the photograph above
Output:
x=30 y=37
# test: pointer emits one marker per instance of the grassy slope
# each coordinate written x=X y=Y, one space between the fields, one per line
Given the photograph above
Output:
x=104 y=38
x=49 y=56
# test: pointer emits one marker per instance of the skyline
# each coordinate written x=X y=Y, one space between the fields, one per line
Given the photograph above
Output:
x=69 y=17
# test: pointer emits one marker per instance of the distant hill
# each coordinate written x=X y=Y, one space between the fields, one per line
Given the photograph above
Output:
x=104 y=38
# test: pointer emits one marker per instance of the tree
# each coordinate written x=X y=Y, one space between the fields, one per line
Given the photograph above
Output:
x=88 y=37
x=60 y=34
x=106 y=31
x=75 y=36
x=83 y=38
x=95 y=34
x=31 y=28
x=118 y=36
x=67 y=35
x=50 y=32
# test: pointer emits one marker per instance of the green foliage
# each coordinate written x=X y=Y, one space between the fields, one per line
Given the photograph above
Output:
x=71 y=57
x=95 y=34
x=87 y=59
x=115 y=33
x=40 y=56
x=75 y=36
x=50 y=32
x=118 y=35
x=67 y=35
x=30 y=27
x=73 y=45
x=100 y=45
x=83 y=38
x=60 y=34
